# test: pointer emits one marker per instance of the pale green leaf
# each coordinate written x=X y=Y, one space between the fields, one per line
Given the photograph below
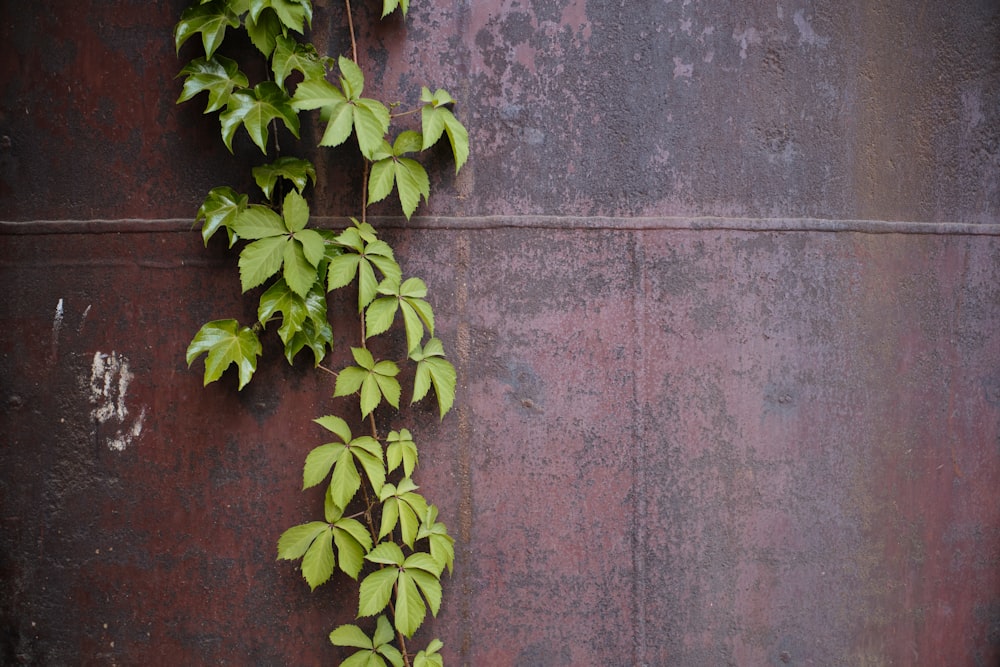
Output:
x=371 y=394
x=411 y=183
x=401 y=450
x=386 y=553
x=317 y=563
x=352 y=79
x=379 y=316
x=409 y=607
x=345 y=480
x=318 y=464
x=337 y=426
x=408 y=141
x=349 y=381
x=350 y=635
x=295 y=211
x=375 y=591
x=225 y=343
x=371 y=122
x=381 y=180
x=350 y=550
x=294 y=542
x=383 y=632
x=342 y=270
x=390 y=516
x=429 y=585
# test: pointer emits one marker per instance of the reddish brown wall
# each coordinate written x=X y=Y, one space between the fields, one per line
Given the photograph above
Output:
x=722 y=283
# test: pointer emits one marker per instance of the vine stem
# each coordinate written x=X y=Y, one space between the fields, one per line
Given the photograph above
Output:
x=350 y=24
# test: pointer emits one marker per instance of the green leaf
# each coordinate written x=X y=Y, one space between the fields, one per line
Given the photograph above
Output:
x=429 y=657
x=442 y=545
x=437 y=119
x=375 y=591
x=349 y=380
x=318 y=464
x=279 y=298
x=352 y=540
x=259 y=222
x=381 y=180
x=226 y=343
x=434 y=369
x=313 y=245
x=211 y=19
x=317 y=563
x=300 y=273
x=291 y=55
x=337 y=426
x=295 y=211
x=379 y=316
x=342 y=271
x=255 y=109
x=321 y=94
x=388 y=6
x=401 y=450
x=345 y=481
x=411 y=183
x=217 y=76
x=260 y=260
x=409 y=607
x=429 y=585
x=386 y=553
x=371 y=122
x=316 y=335
x=350 y=635
x=264 y=30
x=293 y=169
x=295 y=541
x=221 y=208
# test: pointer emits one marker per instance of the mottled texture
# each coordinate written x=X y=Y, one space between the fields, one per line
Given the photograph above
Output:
x=723 y=399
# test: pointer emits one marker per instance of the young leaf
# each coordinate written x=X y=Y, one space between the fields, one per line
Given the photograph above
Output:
x=401 y=449
x=318 y=464
x=429 y=657
x=434 y=369
x=436 y=533
x=221 y=208
x=436 y=118
x=374 y=380
x=388 y=6
x=226 y=343
x=353 y=541
x=255 y=109
x=409 y=607
x=351 y=636
x=217 y=76
x=211 y=19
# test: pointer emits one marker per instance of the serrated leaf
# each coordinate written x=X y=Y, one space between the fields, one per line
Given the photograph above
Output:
x=401 y=450
x=442 y=545
x=409 y=606
x=217 y=76
x=295 y=541
x=294 y=14
x=318 y=561
x=337 y=426
x=225 y=343
x=352 y=542
x=300 y=273
x=317 y=336
x=342 y=271
x=438 y=120
x=345 y=480
x=381 y=180
x=411 y=183
x=221 y=208
x=259 y=222
x=379 y=316
x=293 y=169
x=318 y=464
x=350 y=635
x=375 y=591
x=408 y=141
x=313 y=245
x=371 y=122
x=434 y=370
x=386 y=553
x=349 y=381
x=295 y=211
x=211 y=20
x=279 y=298
x=255 y=109
x=430 y=587
x=260 y=260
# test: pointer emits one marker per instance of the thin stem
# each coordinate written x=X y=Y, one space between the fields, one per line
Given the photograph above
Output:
x=405 y=113
x=327 y=370
x=364 y=192
x=350 y=24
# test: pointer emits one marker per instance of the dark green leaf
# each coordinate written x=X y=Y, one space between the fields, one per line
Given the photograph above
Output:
x=217 y=76
x=296 y=170
x=260 y=260
x=264 y=29
x=255 y=109
x=211 y=19
x=221 y=208
x=290 y=55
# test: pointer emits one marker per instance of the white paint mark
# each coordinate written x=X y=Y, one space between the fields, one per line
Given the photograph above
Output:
x=57 y=323
x=806 y=33
x=83 y=318
x=110 y=378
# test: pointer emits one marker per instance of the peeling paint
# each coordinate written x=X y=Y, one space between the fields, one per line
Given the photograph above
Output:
x=110 y=378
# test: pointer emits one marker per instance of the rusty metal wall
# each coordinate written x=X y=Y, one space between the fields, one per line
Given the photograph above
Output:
x=722 y=283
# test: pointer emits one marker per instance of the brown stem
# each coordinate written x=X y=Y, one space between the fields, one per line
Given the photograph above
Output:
x=350 y=24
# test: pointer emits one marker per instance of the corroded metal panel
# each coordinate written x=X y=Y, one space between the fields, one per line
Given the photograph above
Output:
x=725 y=398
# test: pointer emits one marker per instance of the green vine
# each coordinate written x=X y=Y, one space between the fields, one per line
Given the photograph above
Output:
x=375 y=525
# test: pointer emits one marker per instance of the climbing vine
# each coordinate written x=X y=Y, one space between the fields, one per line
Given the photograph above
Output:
x=376 y=527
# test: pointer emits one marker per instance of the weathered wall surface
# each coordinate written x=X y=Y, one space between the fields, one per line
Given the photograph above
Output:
x=722 y=283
